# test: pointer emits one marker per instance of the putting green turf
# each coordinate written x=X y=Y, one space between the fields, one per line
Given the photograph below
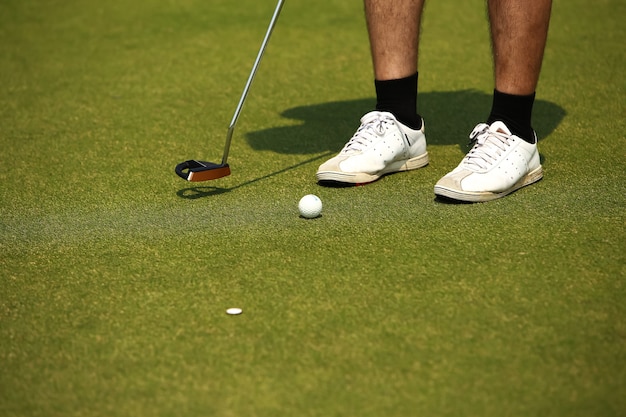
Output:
x=116 y=274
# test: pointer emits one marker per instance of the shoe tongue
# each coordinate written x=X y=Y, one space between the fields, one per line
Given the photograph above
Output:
x=375 y=115
x=499 y=127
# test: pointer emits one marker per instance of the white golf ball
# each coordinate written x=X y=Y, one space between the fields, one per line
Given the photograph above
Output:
x=310 y=206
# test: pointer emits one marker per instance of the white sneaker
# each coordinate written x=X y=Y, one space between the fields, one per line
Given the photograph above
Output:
x=380 y=146
x=498 y=164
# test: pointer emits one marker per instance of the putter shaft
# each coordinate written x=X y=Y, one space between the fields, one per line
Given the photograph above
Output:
x=244 y=94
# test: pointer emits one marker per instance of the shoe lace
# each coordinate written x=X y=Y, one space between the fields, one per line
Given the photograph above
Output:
x=487 y=146
x=373 y=125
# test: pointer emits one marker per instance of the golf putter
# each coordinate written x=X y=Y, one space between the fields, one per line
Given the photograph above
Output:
x=197 y=171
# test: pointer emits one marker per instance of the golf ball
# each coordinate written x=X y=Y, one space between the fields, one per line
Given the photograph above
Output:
x=310 y=206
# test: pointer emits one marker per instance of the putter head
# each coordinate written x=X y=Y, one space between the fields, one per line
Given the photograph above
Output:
x=196 y=171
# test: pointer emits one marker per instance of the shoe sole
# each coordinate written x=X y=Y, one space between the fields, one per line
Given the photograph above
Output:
x=361 y=178
x=482 y=196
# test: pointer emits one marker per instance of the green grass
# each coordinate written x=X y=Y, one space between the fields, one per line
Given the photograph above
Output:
x=115 y=274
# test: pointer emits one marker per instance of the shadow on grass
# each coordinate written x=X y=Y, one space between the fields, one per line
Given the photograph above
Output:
x=194 y=193
x=449 y=118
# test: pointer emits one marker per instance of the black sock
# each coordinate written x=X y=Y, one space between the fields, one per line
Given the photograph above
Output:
x=399 y=97
x=515 y=112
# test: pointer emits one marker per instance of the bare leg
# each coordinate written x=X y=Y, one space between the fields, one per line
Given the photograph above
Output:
x=519 y=29
x=504 y=156
x=391 y=138
x=393 y=27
